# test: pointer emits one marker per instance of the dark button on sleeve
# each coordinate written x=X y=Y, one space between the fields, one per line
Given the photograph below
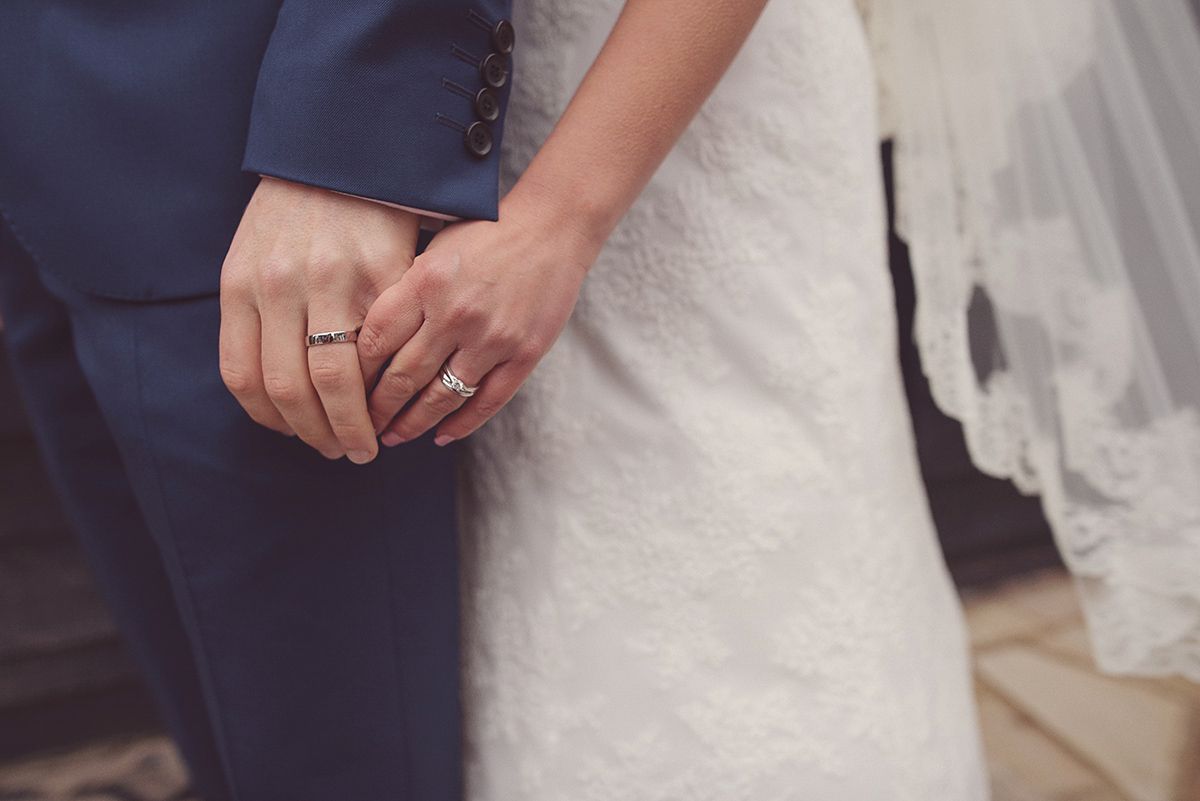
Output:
x=487 y=105
x=494 y=70
x=478 y=139
x=504 y=36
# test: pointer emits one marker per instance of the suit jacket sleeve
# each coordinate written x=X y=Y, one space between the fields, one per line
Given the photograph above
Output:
x=381 y=99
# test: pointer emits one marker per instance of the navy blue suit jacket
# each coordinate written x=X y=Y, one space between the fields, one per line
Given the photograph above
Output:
x=132 y=131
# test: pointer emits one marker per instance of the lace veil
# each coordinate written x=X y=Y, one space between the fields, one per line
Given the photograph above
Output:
x=1048 y=183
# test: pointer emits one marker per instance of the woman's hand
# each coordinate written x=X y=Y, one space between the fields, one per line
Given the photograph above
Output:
x=487 y=300
x=307 y=261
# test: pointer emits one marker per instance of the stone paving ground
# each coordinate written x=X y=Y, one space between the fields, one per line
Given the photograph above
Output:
x=143 y=769
x=1054 y=728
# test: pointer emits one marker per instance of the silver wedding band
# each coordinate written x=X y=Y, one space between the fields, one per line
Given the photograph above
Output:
x=330 y=337
x=456 y=384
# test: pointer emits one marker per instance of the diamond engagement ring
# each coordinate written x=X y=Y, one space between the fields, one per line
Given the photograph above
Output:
x=330 y=337
x=456 y=384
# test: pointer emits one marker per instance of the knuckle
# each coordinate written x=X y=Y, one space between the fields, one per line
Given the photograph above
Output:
x=442 y=405
x=325 y=270
x=237 y=380
x=486 y=407
x=527 y=351
x=380 y=416
x=397 y=384
x=382 y=259
x=283 y=390
x=456 y=315
x=507 y=339
x=372 y=344
x=433 y=281
x=470 y=315
x=424 y=285
x=276 y=277
x=430 y=272
x=327 y=373
x=233 y=277
x=406 y=431
x=349 y=434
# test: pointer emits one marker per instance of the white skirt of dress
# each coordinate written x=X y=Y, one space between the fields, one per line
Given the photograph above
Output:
x=698 y=558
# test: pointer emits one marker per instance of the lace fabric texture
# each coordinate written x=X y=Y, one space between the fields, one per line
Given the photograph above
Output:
x=1048 y=183
x=698 y=560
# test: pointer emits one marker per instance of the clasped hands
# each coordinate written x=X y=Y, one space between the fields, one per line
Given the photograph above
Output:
x=486 y=299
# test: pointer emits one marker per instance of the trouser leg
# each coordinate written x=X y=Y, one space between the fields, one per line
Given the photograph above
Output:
x=83 y=460
x=320 y=598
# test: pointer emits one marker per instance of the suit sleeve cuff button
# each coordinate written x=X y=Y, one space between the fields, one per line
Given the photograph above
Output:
x=487 y=105
x=504 y=37
x=478 y=139
x=494 y=71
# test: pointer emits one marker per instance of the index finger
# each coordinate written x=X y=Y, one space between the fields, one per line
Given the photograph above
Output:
x=392 y=320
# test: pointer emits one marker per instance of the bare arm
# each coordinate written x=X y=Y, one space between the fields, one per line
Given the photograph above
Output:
x=491 y=297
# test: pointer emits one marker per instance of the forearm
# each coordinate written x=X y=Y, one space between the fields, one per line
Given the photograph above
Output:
x=488 y=299
x=659 y=65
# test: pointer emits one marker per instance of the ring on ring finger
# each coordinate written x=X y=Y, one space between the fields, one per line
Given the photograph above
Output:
x=456 y=384
x=331 y=337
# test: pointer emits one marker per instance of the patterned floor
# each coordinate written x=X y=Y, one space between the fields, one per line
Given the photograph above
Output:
x=147 y=769
x=1055 y=730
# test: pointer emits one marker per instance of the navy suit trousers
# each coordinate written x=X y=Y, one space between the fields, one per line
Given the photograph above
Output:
x=296 y=618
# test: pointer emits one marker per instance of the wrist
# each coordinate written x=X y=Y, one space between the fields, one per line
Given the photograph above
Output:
x=576 y=216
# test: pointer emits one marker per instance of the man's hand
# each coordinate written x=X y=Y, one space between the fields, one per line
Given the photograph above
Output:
x=487 y=299
x=307 y=261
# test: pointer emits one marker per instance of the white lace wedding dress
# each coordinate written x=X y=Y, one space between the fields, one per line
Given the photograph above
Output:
x=698 y=559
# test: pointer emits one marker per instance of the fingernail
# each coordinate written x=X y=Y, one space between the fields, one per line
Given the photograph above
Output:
x=441 y=440
x=359 y=457
x=391 y=439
